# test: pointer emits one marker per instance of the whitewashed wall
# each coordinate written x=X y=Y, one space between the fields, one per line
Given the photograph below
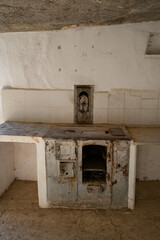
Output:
x=25 y=161
x=17 y=161
x=6 y=166
x=57 y=106
x=148 y=163
x=107 y=56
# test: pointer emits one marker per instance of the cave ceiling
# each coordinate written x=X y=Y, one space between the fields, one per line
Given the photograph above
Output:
x=39 y=15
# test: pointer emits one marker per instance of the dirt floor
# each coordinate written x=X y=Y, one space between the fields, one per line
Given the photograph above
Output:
x=20 y=217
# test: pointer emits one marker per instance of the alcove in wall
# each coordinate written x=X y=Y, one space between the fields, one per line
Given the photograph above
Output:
x=18 y=161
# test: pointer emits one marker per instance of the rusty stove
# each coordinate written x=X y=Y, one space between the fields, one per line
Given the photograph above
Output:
x=82 y=165
x=87 y=166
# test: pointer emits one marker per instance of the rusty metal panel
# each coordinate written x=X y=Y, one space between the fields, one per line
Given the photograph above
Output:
x=83 y=104
x=94 y=194
x=66 y=183
x=117 y=132
x=66 y=170
x=65 y=150
x=120 y=173
x=61 y=174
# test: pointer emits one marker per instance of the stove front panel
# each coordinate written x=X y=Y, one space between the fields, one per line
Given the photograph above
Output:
x=87 y=173
x=61 y=172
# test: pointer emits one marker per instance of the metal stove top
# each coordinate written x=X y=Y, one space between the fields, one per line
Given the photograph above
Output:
x=104 y=132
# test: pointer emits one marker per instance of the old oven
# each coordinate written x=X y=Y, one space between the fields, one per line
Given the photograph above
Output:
x=85 y=169
x=87 y=166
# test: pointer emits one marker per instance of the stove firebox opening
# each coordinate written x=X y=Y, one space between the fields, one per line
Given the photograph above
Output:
x=94 y=163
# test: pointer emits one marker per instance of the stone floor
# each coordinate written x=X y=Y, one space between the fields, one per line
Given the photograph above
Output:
x=20 y=217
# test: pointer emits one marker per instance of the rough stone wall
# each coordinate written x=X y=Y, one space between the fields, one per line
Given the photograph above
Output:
x=21 y=15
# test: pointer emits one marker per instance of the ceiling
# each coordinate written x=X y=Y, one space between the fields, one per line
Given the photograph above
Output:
x=36 y=15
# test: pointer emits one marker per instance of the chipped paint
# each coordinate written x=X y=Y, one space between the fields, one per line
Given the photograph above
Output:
x=115 y=182
x=125 y=170
x=73 y=190
x=35 y=139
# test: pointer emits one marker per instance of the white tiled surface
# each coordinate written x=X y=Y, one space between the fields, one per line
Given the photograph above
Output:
x=149 y=103
x=148 y=94
x=61 y=115
x=101 y=100
x=149 y=116
x=37 y=98
x=37 y=114
x=132 y=101
x=14 y=113
x=61 y=98
x=115 y=116
x=13 y=97
x=57 y=106
x=100 y=115
x=132 y=115
x=116 y=100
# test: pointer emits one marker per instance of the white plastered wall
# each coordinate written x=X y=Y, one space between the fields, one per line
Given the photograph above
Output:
x=17 y=161
x=6 y=166
x=25 y=161
x=110 y=57
x=148 y=162
x=8 y=176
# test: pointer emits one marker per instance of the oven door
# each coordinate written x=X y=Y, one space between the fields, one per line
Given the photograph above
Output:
x=94 y=173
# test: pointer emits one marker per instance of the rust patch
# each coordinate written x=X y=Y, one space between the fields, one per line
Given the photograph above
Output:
x=115 y=182
x=72 y=184
x=118 y=165
x=70 y=180
x=125 y=170
x=109 y=153
x=109 y=156
x=73 y=179
x=108 y=176
x=35 y=139
x=51 y=148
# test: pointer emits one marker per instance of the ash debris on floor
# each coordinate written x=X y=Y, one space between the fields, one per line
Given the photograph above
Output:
x=21 y=218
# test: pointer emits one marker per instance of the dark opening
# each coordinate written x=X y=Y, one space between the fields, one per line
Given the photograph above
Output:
x=83 y=93
x=83 y=104
x=69 y=131
x=106 y=132
x=94 y=163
